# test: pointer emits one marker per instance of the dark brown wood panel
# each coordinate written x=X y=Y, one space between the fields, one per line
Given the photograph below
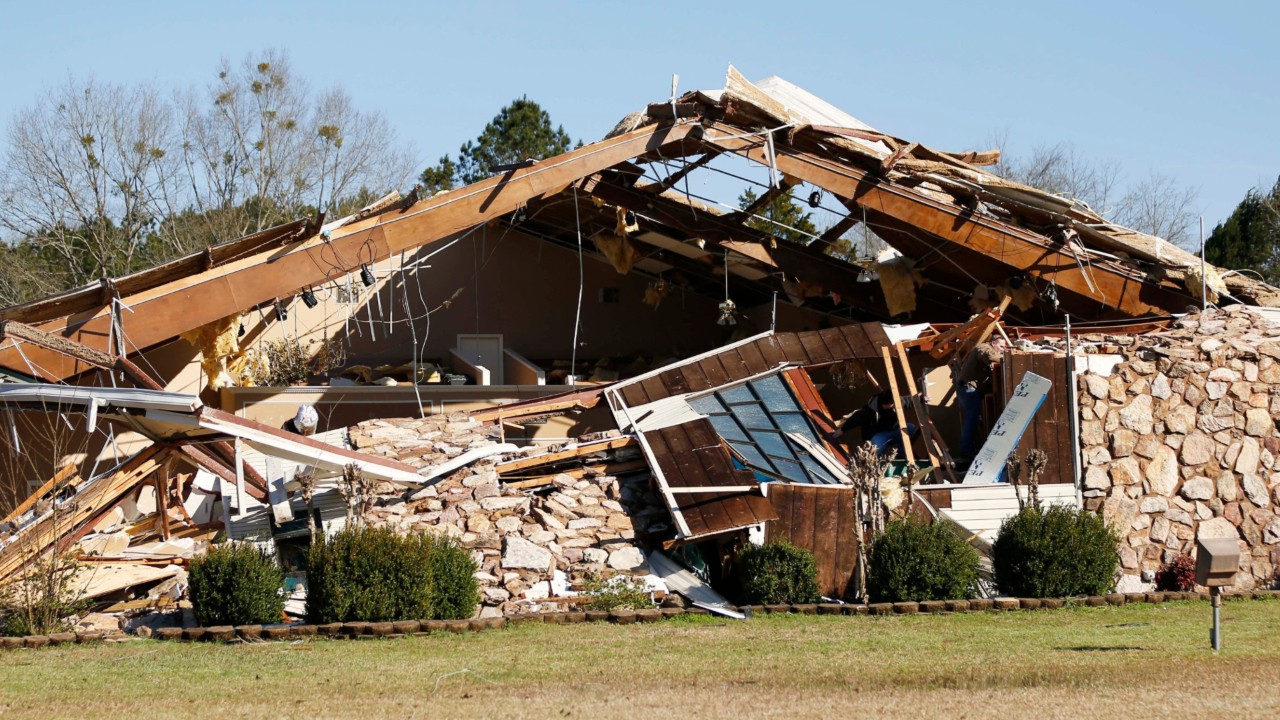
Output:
x=771 y=350
x=693 y=377
x=815 y=348
x=753 y=358
x=821 y=520
x=836 y=343
x=634 y=395
x=792 y=350
x=1050 y=428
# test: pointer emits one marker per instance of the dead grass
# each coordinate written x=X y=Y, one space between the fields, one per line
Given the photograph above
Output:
x=1097 y=662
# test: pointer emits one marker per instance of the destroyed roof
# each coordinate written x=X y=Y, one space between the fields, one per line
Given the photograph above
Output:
x=962 y=232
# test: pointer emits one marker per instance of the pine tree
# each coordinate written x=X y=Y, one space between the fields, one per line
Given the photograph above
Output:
x=1250 y=238
x=781 y=217
x=520 y=131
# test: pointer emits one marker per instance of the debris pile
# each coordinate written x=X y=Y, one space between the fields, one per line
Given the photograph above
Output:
x=1179 y=441
x=532 y=540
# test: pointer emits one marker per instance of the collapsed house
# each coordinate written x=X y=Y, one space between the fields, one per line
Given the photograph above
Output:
x=579 y=365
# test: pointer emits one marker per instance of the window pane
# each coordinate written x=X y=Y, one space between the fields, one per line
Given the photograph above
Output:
x=752 y=417
x=751 y=455
x=728 y=428
x=772 y=444
x=737 y=394
x=794 y=423
x=816 y=470
x=773 y=391
x=792 y=471
x=707 y=405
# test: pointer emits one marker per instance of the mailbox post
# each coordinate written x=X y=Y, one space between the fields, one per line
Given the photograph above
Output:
x=1216 y=562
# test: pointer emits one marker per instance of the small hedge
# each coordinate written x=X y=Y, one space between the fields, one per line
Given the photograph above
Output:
x=777 y=573
x=375 y=575
x=914 y=561
x=236 y=584
x=1058 y=552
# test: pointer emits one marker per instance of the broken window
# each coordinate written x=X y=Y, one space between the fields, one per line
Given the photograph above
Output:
x=757 y=419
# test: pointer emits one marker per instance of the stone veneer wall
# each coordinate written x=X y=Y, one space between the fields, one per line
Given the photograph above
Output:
x=520 y=539
x=1180 y=442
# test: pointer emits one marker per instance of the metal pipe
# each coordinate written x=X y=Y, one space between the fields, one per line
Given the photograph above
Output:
x=1215 y=635
x=1204 y=282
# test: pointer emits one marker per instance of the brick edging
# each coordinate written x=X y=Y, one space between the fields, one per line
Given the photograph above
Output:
x=403 y=628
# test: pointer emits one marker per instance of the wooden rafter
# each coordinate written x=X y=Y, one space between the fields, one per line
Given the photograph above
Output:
x=162 y=313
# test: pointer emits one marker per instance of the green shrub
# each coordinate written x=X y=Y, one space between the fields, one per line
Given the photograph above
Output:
x=375 y=575
x=236 y=584
x=617 y=592
x=1056 y=552
x=913 y=561
x=777 y=573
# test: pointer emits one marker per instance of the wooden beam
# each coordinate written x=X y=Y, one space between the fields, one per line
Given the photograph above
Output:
x=675 y=177
x=162 y=313
x=1125 y=290
x=54 y=483
x=213 y=465
x=938 y=455
x=834 y=233
x=620 y=468
x=569 y=454
x=897 y=407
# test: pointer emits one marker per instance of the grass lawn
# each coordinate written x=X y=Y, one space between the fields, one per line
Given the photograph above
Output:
x=1131 y=661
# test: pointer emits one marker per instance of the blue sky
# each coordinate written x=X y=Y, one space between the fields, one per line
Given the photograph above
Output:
x=1188 y=89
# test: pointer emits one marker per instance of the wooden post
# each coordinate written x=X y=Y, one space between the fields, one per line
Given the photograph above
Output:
x=938 y=455
x=897 y=407
x=162 y=493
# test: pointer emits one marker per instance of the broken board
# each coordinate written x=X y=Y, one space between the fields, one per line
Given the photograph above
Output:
x=1003 y=439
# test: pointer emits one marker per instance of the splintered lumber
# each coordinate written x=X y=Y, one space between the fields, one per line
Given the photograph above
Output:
x=579 y=400
x=620 y=468
x=56 y=530
x=53 y=483
x=938 y=455
x=577 y=451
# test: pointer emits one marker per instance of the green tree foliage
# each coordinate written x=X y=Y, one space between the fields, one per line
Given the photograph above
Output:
x=520 y=131
x=913 y=561
x=1055 y=552
x=781 y=217
x=1250 y=238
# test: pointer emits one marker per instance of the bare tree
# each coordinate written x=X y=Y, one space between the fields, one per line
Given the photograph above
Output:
x=99 y=180
x=81 y=173
x=1157 y=205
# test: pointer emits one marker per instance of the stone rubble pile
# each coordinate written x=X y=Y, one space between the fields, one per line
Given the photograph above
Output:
x=527 y=544
x=1180 y=442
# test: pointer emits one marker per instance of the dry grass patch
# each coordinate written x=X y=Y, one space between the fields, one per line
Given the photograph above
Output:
x=1096 y=662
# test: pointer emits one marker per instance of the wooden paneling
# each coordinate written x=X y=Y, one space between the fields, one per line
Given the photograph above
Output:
x=819 y=519
x=692 y=455
x=811 y=347
x=1050 y=428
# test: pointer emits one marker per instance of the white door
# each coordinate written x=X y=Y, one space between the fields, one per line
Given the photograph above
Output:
x=484 y=350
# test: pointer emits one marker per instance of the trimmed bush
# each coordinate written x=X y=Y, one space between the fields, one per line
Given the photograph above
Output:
x=777 y=573
x=914 y=561
x=1055 y=552
x=236 y=584
x=375 y=575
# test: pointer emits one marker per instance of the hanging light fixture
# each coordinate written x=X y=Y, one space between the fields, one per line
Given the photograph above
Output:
x=815 y=198
x=309 y=298
x=282 y=313
x=366 y=275
x=727 y=308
